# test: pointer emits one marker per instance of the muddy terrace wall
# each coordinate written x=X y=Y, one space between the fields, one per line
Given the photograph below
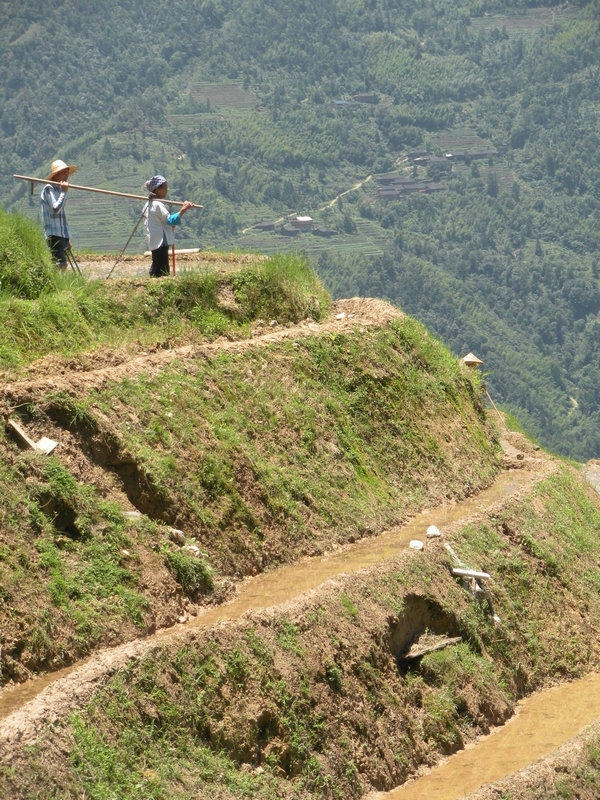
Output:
x=260 y=452
x=317 y=699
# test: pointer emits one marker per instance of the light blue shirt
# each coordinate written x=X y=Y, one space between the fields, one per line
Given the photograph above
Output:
x=54 y=218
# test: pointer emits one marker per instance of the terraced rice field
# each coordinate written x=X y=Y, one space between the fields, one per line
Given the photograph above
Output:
x=528 y=23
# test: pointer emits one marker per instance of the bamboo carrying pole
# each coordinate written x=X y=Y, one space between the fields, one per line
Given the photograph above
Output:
x=99 y=191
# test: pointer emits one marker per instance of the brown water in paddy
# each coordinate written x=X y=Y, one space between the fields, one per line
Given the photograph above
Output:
x=287 y=582
x=542 y=723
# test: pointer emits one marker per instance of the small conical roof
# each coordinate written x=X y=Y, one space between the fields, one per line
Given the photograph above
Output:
x=471 y=360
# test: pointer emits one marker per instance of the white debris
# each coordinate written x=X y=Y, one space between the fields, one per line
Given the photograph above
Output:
x=433 y=532
x=341 y=316
x=470 y=573
x=46 y=445
x=192 y=549
x=415 y=544
x=125 y=553
x=273 y=323
x=177 y=535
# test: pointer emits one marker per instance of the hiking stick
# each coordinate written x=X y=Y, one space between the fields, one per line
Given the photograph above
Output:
x=173 y=249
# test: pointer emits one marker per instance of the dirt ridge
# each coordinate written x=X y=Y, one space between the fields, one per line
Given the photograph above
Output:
x=346 y=315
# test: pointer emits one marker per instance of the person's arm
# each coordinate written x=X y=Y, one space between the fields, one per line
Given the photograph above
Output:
x=56 y=197
x=175 y=219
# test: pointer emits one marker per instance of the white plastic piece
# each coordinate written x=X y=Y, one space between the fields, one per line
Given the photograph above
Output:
x=470 y=573
x=46 y=445
x=341 y=316
x=415 y=544
x=433 y=532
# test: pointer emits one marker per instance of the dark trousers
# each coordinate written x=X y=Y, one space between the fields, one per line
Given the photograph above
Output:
x=58 y=247
x=160 y=261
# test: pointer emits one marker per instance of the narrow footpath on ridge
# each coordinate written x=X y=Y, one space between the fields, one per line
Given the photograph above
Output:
x=104 y=365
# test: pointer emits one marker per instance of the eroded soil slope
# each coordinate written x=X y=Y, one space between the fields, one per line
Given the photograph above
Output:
x=319 y=697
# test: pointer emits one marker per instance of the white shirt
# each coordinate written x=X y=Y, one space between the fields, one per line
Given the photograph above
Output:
x=156 y=222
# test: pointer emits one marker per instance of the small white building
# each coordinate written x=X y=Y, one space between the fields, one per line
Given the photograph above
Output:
x=302 y=223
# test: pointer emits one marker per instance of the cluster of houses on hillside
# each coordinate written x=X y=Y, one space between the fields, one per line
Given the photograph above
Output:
x=393 y=186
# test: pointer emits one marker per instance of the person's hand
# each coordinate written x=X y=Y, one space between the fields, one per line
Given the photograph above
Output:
x=64 y=186
x=185 y=207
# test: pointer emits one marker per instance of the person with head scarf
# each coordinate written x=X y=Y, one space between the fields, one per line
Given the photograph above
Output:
x=54 y=220
x=159 y=224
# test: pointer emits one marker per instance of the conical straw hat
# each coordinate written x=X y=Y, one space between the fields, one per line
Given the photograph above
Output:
x=471 y=360
x=58 y=166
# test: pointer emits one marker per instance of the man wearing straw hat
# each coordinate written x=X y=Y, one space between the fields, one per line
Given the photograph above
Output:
x=54 y=200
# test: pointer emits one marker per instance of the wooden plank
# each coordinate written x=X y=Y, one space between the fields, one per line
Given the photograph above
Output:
x=21 y=435
x=430 y=645
x=185 y=251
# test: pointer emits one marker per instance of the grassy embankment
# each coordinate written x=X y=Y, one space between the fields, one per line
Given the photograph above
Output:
x=316 y=701
x=260 y=454
x=44 y=312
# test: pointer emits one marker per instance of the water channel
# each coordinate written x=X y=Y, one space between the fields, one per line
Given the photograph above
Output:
x=542 y=723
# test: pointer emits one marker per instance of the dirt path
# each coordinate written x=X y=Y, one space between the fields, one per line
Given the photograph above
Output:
x=107 y=365
x=137 y=265
x=356 y=186
x=28 y=707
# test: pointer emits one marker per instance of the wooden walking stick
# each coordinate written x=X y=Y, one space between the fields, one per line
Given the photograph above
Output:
x=173 y=248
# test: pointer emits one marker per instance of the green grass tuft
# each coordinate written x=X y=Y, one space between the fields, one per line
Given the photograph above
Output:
x=26 y=268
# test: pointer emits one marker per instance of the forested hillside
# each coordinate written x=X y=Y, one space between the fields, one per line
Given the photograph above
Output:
x=250 y=109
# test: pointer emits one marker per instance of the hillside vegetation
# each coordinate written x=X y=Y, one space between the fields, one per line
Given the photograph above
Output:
x=233 y=102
